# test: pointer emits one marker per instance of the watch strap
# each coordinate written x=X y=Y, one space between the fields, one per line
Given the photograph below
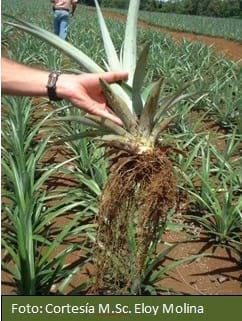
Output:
x=51 y=85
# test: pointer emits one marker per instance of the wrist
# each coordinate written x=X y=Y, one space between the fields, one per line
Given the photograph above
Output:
x=64 y=88
x=51 y=85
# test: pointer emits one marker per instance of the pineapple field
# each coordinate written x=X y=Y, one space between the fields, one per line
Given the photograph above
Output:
x=201 y=25
x=152 y=207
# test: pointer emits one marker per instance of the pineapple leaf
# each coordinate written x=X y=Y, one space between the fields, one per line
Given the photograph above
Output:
x=57 y=42
x=147 y=117
x=127 y=89
x=138 y=80
x=108 y=124
x=84 y=134
x=130 y=39
x=174 y=99
x=78 y=119
x=111 y=54
x=161 y=126
x=121 y=54
x=146 y=92
x=119 y=142
x=106 y=65
x=119 y=107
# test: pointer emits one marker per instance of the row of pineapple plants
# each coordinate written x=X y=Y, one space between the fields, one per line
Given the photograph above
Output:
x=30 y=209
x=134 y=279
x=228 y=28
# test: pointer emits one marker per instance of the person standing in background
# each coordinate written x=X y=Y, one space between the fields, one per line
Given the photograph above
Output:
x=62 y=10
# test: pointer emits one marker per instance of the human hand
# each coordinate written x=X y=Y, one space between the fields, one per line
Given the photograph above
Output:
x=84 y=91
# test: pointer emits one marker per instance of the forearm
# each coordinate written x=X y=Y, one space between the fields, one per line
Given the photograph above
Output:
x=83 y=91
x=20 y=80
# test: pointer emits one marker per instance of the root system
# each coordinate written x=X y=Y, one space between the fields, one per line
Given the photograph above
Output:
x=138 y=195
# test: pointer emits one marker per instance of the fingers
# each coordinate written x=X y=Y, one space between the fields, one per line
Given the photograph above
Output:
x=98 y=110
x=95 y=108
x=112 y=77
x=104 y=113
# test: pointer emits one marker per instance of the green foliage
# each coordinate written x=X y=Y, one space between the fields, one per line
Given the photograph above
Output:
x=229 y=28
x=223 y=9
x=89 y=2
x=120 y=4
x=150 y=5
x=216 y=8
x=28 y=216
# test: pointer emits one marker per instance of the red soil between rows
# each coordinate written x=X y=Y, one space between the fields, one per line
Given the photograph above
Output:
x=231 y=49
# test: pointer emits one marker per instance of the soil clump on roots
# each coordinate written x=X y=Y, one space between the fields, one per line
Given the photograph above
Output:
x=138 y=195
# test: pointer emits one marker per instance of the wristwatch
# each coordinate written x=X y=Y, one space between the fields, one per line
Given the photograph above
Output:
x=51 y=85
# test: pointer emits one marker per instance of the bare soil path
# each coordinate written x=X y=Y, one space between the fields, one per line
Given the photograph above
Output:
x=231 y=49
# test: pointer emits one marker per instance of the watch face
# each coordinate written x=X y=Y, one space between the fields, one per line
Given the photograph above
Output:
x=53 y=76
x=51 y=85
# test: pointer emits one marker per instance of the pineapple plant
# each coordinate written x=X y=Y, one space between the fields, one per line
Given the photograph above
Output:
x=141 y=188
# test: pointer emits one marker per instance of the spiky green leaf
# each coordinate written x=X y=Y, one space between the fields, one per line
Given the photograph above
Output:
x=108 y=124
x=174 y=99
x=111 y=54
x=129 y=52
x=58 y=43
x=119 y=107
x=138 y=80
x=161 y=126
x=84 y=134
x=78 y=119
x=147 y=117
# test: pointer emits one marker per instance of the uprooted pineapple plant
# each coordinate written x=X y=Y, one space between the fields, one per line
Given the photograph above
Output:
x=139 y=193
x=141 y=188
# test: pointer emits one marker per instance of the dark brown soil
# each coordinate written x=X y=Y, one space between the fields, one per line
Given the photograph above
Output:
x=231 y=49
